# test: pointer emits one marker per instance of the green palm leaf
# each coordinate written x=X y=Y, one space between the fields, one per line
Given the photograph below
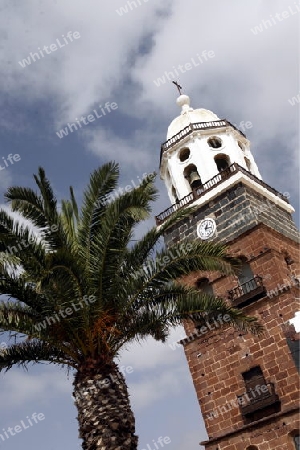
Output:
x=33 y=352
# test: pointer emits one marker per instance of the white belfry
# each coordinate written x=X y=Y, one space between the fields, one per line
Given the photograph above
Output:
x=199 y=146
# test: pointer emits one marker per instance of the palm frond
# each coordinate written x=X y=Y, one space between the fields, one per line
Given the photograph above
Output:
x=180 y=260
x=32 y=352
x=18 y=240
x=110 y=245
x=102 y=182
x=70 y=220
x=17 y=318
x=40 y=210
x=28 y=204
x=184 y=302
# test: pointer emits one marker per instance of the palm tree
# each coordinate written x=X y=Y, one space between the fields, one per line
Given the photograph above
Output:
x=78 y=291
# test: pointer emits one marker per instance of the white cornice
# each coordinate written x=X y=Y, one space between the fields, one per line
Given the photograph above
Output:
x=238 y=178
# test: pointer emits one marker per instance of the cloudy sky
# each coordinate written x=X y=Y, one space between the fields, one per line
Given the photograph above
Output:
x=98 y=52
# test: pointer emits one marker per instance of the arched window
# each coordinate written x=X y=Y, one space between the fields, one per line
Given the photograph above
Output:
x=248 y=163
x=174 y=193
x=222 y=162
x=203 y=285
x=242 y=147
x=252 y=447
x=214 y=142
x=184 y=154
x=192 y=176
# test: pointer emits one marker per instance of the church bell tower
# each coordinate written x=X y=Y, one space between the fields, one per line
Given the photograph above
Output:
x=247 y=386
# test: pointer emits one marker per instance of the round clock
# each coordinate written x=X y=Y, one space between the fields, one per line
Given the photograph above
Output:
x=206 y=228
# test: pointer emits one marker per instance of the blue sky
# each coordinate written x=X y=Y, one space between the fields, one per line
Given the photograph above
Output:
x=117 y=58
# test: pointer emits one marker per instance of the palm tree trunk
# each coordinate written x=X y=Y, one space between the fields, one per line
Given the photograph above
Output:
x=106 y=421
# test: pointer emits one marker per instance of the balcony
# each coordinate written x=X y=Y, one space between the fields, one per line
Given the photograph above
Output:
x=210 y=184
x=254 y=406
x=248 y=292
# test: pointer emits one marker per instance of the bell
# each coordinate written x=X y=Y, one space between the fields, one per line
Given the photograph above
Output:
x=195 y=180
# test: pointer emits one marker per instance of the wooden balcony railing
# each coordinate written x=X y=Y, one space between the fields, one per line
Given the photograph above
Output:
x=247 y=292
x=250 y=404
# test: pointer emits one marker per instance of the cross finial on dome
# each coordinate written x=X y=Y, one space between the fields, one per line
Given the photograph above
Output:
x=178 y=86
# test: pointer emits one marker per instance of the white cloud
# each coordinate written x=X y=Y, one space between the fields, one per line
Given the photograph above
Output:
x=134 y=152
x=174 y=46
x=80 y=72
x=156 y=387
x=152 y=354
x=158 y=370
x=18 y=388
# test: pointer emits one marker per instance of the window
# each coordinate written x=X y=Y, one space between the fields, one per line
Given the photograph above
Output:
x=249 y=289
x=245 y=276
x=295 y=351
x=297 y=442
x=253 y=377
x=222 y=162
x=193 y=177
x=214 y=142
x=289 y=260
x=203 y=285
x=252 y=447
x=184 y=154
x=260 y=399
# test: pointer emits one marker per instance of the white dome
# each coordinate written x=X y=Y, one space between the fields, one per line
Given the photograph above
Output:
x=189 y=115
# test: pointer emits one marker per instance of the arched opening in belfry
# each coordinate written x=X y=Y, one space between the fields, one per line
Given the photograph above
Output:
x=222 y=162
x=191 y=174
x=214 y=142
x=184 y=154
x=248 y=163
x=241 y=145
x=174 y=193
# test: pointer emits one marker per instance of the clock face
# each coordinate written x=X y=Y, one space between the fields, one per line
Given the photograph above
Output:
x=206 y=228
